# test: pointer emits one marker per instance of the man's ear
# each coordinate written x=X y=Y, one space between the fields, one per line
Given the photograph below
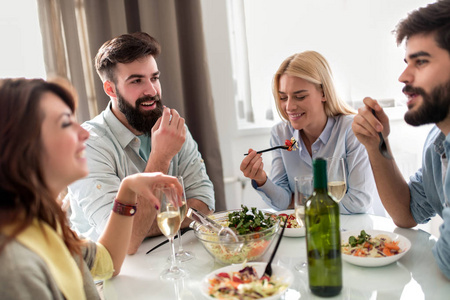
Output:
x=109 y=88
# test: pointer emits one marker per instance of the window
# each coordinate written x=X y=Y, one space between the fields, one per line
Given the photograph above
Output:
x=21 y=52
x=353 y=35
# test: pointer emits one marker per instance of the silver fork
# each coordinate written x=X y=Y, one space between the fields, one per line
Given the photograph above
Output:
x=382 y=146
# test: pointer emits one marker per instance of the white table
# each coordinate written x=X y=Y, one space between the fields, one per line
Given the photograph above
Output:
x=414 y=276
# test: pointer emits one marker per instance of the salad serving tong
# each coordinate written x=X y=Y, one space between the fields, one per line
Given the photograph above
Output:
x=224 y=232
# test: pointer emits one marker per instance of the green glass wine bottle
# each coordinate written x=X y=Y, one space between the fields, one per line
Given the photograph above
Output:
x=323 y=241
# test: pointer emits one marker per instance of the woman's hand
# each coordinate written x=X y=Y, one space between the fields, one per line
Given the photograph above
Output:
x=117 y=236
x=143 y=184
x=252 y=167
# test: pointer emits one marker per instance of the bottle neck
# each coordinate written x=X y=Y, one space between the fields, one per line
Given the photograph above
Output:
x=320 y=174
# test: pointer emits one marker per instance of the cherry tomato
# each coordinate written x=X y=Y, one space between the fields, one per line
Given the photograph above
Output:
x=224 y=275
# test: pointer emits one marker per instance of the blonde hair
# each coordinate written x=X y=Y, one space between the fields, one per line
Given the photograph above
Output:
x=313 y=67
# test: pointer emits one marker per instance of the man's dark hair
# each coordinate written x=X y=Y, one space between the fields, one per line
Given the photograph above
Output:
x=433 y=18
x=124 y=49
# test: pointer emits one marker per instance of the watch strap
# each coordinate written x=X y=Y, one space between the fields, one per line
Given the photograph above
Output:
x=122 y=209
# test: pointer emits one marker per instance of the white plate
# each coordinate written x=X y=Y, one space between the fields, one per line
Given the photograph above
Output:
x=404 y=245
x=292 y=232
x=278 y=272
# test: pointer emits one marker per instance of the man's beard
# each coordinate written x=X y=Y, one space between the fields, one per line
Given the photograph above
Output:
x=434 y=108
x=142 y=121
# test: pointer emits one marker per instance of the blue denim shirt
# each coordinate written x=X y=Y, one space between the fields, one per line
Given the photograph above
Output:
x=112 y=153
x=428 y=188
x=338 y=140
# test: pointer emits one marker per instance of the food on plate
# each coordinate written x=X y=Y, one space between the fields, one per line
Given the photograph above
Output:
x=364 y=245
x=291 y=220
x=244 y=284
x=292 y=144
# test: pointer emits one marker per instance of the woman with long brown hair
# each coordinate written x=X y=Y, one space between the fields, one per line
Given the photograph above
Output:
x=41 y=152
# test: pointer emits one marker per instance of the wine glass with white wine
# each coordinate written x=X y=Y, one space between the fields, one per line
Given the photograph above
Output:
x=169 y=221
x=337 y=183
x=304 y=188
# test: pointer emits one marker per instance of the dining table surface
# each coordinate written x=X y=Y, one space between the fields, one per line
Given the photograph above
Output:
x=414 y=276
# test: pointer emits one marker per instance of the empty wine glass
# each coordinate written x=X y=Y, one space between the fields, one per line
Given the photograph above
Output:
x=303 y=190
x=182 y=255
x=337 y=183
x=169 y=221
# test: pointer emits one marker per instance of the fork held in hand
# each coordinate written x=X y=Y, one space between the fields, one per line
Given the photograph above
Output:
x=285 y=147
x=270 y=149
x=268 y=270
x=382 y=146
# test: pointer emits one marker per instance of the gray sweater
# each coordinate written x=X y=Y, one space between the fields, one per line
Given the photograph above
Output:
x=24 y=275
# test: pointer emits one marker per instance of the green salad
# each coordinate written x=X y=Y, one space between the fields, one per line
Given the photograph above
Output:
x=243 y=222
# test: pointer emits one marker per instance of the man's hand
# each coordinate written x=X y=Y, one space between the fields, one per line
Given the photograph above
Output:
x=370 y=120
x=168 y=136
x=252 y=167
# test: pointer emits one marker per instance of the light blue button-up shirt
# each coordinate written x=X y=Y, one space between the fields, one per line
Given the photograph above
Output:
x=429 y=187
x=338 y=140
x=112 y=152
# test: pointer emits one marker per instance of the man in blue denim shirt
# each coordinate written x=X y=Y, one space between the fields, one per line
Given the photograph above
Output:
x=135 y=133
x=427 y=87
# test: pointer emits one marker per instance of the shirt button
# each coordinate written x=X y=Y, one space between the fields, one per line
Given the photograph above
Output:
x=99 y=186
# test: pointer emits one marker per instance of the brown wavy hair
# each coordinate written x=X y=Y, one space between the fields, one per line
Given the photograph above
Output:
x=431 y=19
x=124 y=49
x=24 y=194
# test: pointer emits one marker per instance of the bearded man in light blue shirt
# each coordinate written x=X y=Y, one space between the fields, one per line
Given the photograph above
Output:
x=135 y=133
x=427 y=87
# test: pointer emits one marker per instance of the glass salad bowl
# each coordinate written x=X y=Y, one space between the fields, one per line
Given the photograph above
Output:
x=249 y=246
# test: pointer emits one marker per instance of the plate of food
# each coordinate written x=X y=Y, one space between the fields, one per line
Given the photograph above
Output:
x=373 y=248
x=293 y=228
x=244 y=281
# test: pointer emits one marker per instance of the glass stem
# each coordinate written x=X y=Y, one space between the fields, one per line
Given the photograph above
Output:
x=180 y=244
x=173 y=266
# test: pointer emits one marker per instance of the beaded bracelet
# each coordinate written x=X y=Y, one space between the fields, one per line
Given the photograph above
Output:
x=122 y=209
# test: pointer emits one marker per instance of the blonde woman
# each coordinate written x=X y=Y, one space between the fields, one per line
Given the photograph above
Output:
x=320 y=121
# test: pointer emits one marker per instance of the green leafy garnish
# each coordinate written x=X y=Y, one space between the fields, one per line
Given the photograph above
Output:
x=244 y=222
x=362 y=237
